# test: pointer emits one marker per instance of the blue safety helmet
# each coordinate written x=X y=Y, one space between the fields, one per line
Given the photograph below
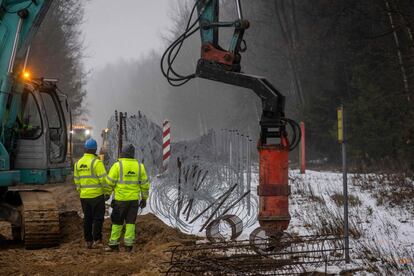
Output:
x=91 y=144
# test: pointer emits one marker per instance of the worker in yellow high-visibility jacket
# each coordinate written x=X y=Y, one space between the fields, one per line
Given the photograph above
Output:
x=90 y=180
x=129 y=180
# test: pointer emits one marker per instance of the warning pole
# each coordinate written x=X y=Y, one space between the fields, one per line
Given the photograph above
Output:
x=166 y=144
x=302 y=151
x=342 y=141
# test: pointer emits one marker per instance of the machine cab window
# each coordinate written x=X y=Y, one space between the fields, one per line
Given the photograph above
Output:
x=42 y=116
x=55 y=124
x=30 y=121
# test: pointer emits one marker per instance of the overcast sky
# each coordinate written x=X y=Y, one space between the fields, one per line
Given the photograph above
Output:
x=124 y=29
x=115 y=30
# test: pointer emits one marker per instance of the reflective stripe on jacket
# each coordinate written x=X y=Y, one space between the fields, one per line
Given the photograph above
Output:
x=129 y=180
x=90 y=177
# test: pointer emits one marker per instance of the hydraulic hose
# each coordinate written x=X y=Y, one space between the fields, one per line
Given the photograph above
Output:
x=296 y=133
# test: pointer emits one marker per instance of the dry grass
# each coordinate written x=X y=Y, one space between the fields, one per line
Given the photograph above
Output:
x=383 y=259
x=389 y=189
x=325 y=217
x=353 y=201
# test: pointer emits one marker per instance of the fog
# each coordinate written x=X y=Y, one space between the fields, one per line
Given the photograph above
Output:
x=319 y=55
x=118 y=32
x=286 y=43
x=126 y=29
x=124 y=58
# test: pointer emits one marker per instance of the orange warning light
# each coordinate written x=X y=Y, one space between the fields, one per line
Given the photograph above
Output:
x=26 y=75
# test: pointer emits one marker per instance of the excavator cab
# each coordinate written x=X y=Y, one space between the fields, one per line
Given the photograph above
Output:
x=41 y=135
x=38 y=155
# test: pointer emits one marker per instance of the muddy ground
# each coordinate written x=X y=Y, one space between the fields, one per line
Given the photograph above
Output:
x=72 y=258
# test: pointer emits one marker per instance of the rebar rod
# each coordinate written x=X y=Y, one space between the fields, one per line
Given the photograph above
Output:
x=218 y=207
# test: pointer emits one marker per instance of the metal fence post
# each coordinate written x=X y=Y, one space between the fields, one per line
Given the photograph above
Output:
x=342 y=141
x=302 y=149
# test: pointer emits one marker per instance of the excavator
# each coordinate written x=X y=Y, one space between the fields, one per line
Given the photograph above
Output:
x=34 y=132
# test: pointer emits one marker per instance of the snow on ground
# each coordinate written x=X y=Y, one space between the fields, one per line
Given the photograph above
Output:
x=381 y=211
x=379 y=233
x=381 y=236
x=381 y=222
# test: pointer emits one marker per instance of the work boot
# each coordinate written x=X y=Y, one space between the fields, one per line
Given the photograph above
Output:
x=112 y=248
x=128 y=248
x=98 y=244
x=89 y=244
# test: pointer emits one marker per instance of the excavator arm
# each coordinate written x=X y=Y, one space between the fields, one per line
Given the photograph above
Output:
x=223 y=65
x=17 y=32
x=218 y=64
x=272 y=124
x=208 y=11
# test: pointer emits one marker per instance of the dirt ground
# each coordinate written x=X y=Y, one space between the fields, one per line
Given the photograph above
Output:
x=72 y=258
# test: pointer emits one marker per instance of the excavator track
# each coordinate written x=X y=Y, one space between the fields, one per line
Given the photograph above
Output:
x=40 y=219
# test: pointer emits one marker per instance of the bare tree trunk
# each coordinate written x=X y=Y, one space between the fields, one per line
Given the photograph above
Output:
x=398 y=46
x=410 y=35
x=290 y=37
x=295 y=39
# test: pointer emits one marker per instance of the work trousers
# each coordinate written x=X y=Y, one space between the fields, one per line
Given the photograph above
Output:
x=123 y=212
x=94 y=212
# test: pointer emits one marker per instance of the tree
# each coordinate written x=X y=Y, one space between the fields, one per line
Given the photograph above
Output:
x=57 y=51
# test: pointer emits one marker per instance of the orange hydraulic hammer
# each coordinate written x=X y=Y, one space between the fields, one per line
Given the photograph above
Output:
x=273 y=189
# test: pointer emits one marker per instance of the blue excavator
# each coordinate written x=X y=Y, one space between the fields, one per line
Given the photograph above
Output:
x=33 y=130
x=34 y=114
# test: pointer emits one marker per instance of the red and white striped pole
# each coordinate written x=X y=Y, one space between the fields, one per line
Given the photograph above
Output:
x=166 y=144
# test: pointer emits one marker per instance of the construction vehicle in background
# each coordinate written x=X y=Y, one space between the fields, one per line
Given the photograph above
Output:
x=223 y=65
x=103 y=152
x=33 y=130
x=79 y=134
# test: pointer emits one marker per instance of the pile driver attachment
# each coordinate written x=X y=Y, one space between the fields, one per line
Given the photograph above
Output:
x=218 y=64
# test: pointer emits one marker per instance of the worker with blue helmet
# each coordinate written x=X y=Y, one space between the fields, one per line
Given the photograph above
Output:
x=91 y=144
x=90 y=181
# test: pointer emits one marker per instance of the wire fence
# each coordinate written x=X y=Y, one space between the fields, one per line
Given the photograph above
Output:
x=210 y=177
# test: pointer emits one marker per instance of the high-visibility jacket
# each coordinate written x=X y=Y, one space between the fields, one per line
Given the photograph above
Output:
x=90 y=177
x=129 y=180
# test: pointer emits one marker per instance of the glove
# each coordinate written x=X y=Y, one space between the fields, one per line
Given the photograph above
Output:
x=142 y=203
x=107 y=197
